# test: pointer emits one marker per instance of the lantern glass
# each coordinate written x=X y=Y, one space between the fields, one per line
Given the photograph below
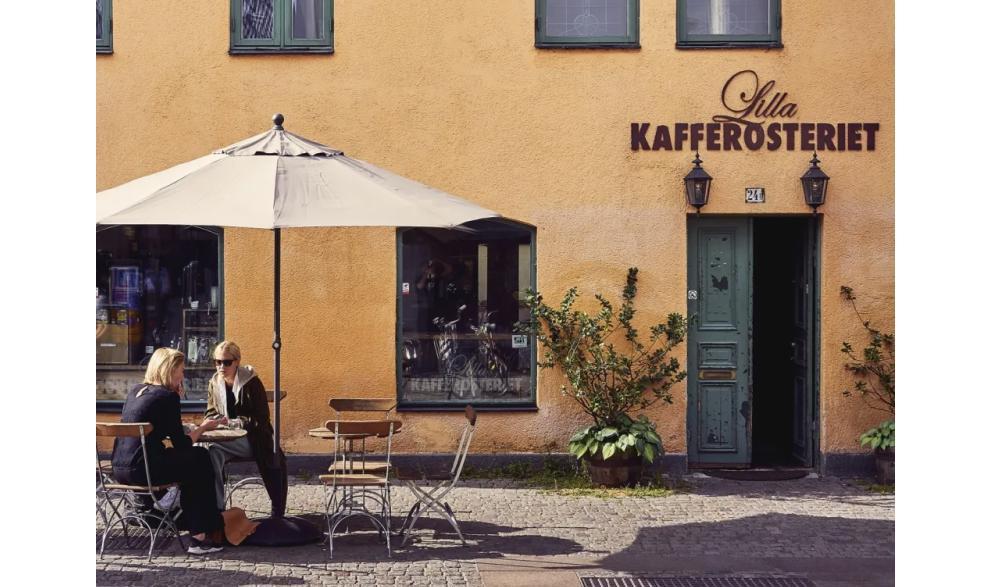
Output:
x=697 y=191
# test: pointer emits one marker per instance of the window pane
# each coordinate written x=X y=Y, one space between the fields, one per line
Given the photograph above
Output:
x=258 y=19
x=100 y=20
x=156 y=286
x=586 y=18
x=307 y=18
x=727 y=17
x=461 y=297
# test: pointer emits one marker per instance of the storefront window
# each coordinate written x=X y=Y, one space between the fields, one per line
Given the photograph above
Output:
x=156 y=286
x=461 y=292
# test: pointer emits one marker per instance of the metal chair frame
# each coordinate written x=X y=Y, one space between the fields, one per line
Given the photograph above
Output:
x=432 y=498
x=344 y=501
x=114 y=496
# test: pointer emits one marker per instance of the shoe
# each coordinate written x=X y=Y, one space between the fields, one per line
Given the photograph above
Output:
x=202 y=547
x=168 y=501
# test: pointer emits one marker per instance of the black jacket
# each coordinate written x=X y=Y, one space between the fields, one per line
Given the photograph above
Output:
x=161 y=407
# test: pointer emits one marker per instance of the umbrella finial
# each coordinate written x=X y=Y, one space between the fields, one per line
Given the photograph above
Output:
x=278 y=121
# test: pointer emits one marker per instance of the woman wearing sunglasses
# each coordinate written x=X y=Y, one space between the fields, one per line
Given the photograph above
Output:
x=236 y=393
x=157 y=400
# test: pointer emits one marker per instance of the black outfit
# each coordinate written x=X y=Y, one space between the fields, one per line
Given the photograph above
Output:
x=254 y=410
x=184 y=463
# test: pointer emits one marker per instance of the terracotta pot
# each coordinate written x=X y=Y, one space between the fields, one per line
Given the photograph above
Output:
x=617 y=471
x=885 y=466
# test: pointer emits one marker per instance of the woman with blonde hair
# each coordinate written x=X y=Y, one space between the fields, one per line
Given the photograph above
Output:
x=157 y=400
x=236 y=394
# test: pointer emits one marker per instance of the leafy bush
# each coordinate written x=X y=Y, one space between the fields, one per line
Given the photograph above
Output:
x=873 y=369
x=627 y=437
x=609 y=377
x=880 y=437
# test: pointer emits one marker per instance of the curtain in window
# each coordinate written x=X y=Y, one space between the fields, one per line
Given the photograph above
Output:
x=727 y=17
x=258 y=19
x=306 y=19
x=100 y=19
x=586 y=18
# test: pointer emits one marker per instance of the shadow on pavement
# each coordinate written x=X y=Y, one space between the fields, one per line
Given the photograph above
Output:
x=770 y=535
x=433 y=539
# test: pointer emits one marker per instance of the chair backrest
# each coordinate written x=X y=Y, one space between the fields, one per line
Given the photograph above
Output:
x=378 y=428
x=464 y=443
x=125 y=430
x=351 y=431
x=345 y=405
x=270 y=395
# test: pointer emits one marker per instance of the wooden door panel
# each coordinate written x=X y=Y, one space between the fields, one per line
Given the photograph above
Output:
x=719 y=280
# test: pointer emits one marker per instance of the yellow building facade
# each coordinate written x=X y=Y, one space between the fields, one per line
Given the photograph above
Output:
x=459 y=96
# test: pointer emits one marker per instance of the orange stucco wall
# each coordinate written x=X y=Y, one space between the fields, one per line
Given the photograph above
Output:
x=455 y=95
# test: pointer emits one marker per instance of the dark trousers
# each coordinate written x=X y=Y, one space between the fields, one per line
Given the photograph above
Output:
x=275 y=479
x=192 y=469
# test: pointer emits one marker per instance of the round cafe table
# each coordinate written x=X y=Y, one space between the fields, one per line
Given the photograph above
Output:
x=221 y=435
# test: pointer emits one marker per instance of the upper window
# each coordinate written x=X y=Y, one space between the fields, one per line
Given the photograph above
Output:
x=104 y=26
x=728 y=23
x=586 y=23
x=281 y=26
x=157 y=286
x=460 y=293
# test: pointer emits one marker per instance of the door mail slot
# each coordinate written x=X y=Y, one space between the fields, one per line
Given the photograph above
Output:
x=717 y=374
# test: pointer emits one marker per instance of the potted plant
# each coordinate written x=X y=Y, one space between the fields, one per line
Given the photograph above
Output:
x=873 y=369
x=611 y=374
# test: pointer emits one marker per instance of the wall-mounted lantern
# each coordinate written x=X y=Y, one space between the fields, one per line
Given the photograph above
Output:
x=697 y=185
x=815 y=183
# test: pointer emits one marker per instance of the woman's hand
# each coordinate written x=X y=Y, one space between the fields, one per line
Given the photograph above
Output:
x=207 y=424
x=212 y=423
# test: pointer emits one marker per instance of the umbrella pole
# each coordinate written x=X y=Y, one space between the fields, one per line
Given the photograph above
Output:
x=277 y=346
x=280 y=530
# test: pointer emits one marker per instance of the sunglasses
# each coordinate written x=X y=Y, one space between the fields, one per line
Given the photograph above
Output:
x=224 y=362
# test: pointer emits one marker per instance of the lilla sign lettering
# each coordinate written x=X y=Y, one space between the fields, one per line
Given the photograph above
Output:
x=757 y=116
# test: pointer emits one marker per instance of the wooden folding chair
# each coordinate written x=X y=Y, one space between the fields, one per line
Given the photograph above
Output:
x=432 y=498
x=350 y=493
x=113 y=498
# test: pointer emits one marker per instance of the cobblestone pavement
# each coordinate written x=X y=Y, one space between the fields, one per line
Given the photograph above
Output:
x=802 y=520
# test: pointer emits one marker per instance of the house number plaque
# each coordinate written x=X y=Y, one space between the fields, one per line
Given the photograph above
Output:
x=755 y=195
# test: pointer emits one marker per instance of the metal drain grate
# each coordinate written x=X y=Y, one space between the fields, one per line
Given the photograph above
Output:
x=695 y=582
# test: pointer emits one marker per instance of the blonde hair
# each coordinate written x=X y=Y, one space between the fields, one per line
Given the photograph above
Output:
x=227 y=346
x=161 y=366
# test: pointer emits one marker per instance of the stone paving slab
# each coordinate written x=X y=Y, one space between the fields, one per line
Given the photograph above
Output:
x=823 y=528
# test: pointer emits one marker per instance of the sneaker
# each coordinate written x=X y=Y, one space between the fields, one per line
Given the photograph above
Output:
x=168 y=501
x=202 y=547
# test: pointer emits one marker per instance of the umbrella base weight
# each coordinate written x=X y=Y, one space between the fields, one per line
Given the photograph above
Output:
x=283 y=532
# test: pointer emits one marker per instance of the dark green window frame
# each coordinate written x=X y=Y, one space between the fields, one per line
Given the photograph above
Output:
x=104 y=44
x=283 y=41
x=186 y=406
x=628 y=41
x=527 y=405
x=685 y=40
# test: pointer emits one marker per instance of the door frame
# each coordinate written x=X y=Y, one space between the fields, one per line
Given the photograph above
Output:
x=815 y=228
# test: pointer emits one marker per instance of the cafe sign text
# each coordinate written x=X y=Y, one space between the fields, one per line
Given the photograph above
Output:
x=756 y=117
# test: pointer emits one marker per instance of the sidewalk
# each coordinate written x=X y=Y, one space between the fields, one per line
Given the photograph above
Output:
x=824 y=530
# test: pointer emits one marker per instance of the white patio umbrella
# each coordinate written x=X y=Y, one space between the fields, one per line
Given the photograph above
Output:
x=279 y=180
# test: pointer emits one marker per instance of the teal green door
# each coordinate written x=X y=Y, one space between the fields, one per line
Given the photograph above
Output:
x=719 y=284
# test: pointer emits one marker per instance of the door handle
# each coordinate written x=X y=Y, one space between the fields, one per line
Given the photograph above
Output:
x=793 y=351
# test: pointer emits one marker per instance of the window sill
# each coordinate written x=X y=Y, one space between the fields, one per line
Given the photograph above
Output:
x=460 y=407
x=587 y=45
x=106 y=406
x=731 y=45
x=280 y=51
x=105 y=50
